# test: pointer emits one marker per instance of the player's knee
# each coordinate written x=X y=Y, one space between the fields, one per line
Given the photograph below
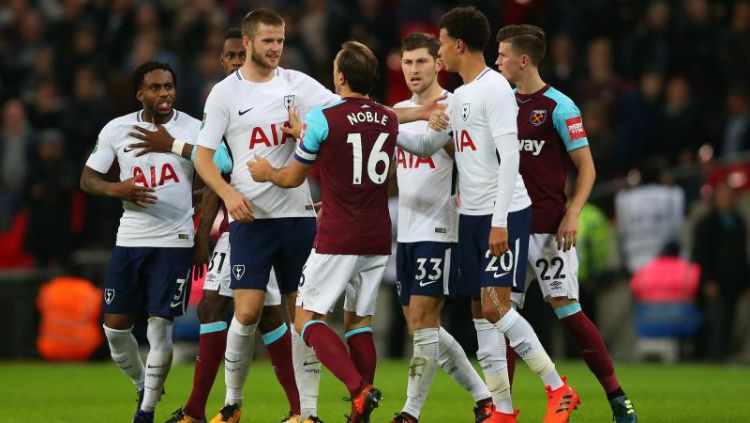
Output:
x=492 y=312
x=247 y=317
x=421 y=319
x=272 y=318
x=118 y=321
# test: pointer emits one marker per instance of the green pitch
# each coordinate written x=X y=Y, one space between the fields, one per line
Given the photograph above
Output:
x=42 y=392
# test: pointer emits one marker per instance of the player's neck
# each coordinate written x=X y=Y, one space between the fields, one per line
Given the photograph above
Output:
x=530 y=82
x=149 y=117
x=433 y=91
x=472 y=66
x=348 y=93
x=254 y=73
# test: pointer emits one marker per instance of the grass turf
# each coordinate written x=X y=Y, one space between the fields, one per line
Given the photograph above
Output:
x=98 y=392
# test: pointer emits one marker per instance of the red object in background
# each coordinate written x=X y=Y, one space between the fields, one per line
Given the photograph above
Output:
x=737 y=175
x=666 y=280
x=196 y=286
x=11 y=244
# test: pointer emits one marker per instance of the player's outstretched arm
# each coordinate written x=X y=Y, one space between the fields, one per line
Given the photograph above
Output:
x=568 y=230
x=290 y=176
x=423 y=144
x=210 y=204
x=238 y=205
x=507 y=174
x=93 y=183
x=423 y=112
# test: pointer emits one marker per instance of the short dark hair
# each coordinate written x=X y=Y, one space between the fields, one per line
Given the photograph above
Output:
x=359 y=66
x=232 y=33
x=526 y=39
x=417 y=40
x=468 y=25
x=260 y=16
x=140 y=72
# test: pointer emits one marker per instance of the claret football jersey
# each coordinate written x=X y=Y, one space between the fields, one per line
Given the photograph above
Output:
x=549 y=127
x=353 y=143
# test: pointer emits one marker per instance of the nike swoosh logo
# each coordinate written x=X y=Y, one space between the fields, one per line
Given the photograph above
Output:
x=157 y=367
x=242 y=112
x=422 y=284
x=495 y=275
x=310 y=363
x=127 y=150
x=173 y=305
x=232 y=361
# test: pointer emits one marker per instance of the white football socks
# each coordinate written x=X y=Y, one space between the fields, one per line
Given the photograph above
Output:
x=526 y=344
x=123 y=348
x=306 y=374
x=491 y=355
x=158 y=361
x=453 y=360
x=421 y=369
x=237 y=358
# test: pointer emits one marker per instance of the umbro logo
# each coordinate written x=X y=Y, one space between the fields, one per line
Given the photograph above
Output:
x=242 y=112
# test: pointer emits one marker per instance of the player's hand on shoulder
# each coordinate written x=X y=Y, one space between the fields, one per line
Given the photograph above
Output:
x=567 y=232
x=295 y=124
x=498 y=242
x=239 y=207
x=318 y=207
x=156 y=141
x=128 y=190
x=260 y=169
x=438 y=120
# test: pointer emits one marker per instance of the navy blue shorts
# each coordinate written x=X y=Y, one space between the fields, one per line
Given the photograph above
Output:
x=284 y=243
x=480 y=269
x=425 y=268
x=153 y=279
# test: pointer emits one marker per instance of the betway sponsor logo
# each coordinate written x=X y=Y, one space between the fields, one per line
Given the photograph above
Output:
x=533 y=146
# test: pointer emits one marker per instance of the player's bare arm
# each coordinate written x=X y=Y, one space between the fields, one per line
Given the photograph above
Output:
x=159 y=141
x=237 y=205
x=568 y=230
x=92 y=182
x=289 y=176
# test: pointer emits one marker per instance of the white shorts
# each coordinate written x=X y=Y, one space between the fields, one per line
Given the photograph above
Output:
x=218 y=276
x=326 y=276
x=556 y=270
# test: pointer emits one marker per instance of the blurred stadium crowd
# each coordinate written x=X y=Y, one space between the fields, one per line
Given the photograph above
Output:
x=663 y=87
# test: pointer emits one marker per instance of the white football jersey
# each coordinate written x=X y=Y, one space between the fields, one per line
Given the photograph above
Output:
x=168 y=223
x=427 y=209
x=480 y=111
x=250 y=116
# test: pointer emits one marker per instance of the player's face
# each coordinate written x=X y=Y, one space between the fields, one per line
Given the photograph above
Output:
x=509 y=62
x=448 y=51
x=420 y=69
x=232 y=55
x=157 y=93
x=266 y=46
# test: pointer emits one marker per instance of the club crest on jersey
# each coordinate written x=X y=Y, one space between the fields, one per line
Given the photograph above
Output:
x=109 y=295
x=465 y=111
x=289 y=101
x=238 y=270
x=538 y=117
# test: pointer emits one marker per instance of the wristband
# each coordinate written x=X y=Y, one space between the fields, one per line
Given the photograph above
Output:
x=177 y=147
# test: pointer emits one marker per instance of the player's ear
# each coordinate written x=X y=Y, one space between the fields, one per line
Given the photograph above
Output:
x=246 y=42
x=139 y=95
